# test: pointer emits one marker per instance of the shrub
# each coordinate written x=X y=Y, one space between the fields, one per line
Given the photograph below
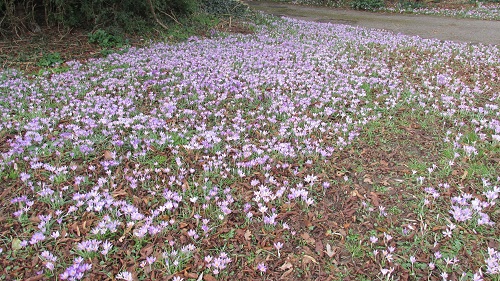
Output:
x=410 y=5
x=49 y=60
x=17 y=14
x=177 y=7
x=105 y=39
x=120 y=15
x=368 y=5
x=225 y=7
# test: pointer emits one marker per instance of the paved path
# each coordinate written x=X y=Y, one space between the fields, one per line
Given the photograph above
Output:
x=443 y=28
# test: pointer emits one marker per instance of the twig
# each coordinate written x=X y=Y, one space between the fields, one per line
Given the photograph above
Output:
x=152 y=8
x=172 y=17
x=64 y=35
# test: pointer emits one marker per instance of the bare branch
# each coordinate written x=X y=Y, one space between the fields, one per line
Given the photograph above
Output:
x=152 y=8
x=171 y=16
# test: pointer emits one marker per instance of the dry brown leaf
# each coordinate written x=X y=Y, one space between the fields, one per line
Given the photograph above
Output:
x=248 y=235
x=36 y=278
x=125 y=232
x=118 y=193
x=355 y=193
x=190 y=275
x=108 y=155
x=329 y=251
x=319 y=248
x=164 y=217
x=209 y=277
x=147 y=251
x=307 y=259
x=464 y=175
x=307 y=238
x=185 y=185
x=286 y=273
x=285 y=266
x=375 y=200
x=35 y=219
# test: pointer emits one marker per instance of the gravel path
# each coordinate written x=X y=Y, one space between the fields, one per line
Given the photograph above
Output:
x=443 y=28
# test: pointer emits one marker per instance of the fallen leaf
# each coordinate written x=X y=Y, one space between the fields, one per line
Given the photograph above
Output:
x=164 y=217
x=329 y=251
x=375 y=200
x=108 y=155
x=191 y=275
x=35 y=219
x=16 y=244
x=125 y=232
x=307 y=238
x=147 y=251
x=118 y=193
x=285 y=275
x=464 y=175
x=319 y=248
x=36 y=278
x=248 y=235
x=185 y=185
x=404 y=276
x=209 y=277
x=438 y=228
x=307 y=259
x=355 y=193
x=285 y=266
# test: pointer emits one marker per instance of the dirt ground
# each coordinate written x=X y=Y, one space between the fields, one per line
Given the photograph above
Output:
x=443 y=28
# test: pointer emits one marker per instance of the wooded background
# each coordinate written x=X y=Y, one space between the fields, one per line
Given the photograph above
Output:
x=20 y=16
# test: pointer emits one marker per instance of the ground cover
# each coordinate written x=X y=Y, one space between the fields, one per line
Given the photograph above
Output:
x=301 y=151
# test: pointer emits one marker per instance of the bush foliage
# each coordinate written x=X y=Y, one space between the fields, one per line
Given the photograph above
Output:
x=17 y=16
x=368 y=5
x=224 y=7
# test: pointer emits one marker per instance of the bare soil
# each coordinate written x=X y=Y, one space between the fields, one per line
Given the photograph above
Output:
x=442 y=28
